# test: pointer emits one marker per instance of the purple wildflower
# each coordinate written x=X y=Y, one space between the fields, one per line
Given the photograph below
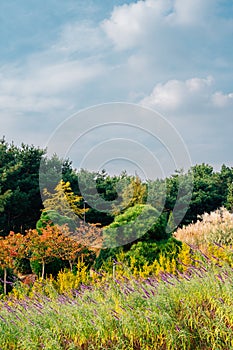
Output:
x=92 y=300
x=2 y=318
x=116 y=318
x=122 y=308
x=185 y=276
x=218 y=245
x=215 y=257
x=95 y=312
x=7 y=282
x=117 y=281
x=131 y=308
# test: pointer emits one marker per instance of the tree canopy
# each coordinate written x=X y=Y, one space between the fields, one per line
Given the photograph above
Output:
x=26 y=170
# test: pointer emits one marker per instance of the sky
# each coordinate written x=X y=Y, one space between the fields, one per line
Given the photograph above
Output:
x=174 y=57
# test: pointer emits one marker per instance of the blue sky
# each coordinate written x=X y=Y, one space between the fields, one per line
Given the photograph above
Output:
x=173 y=56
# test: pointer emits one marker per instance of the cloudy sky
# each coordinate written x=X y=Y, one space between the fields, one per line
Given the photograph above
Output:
x=172 y=56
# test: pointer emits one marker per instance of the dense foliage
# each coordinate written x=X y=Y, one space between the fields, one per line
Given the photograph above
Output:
x=160 y=290
x=113 y=203
x=105 y=196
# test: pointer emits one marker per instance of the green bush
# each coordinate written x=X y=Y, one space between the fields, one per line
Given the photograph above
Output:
x=147 y=252
x=134 y=223
x=51 y=217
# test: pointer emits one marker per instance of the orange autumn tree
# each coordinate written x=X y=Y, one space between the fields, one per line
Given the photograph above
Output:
x=70 y=245
x=6 y=260
x=52 y=242
x=65 y=247
x=41 y=247
x=11 y=247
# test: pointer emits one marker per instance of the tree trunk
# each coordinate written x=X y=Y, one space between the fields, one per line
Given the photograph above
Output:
x=71 y=265
x=4 y=279
x=43 y=270
x=114 y=271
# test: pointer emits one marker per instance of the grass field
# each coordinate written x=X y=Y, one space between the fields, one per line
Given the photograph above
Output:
x=188 y=311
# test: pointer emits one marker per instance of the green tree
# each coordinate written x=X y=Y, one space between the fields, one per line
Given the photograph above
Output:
x=148 y=252
x=207 y=193
x=134 y=192
x=49 y=217
x=179 y=187
x=156 y=193
x=20 y=201
x=229 y=201
x=98 y=191
x=223 y=180
x=134 y=223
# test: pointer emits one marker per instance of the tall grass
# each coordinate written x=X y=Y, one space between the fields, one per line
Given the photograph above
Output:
x=192 y=311
x=216 y=227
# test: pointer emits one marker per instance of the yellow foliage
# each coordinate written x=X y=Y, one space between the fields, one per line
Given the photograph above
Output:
x=133 y=267
x=184 y=257
x=220 y=254
x=67 y=280
x=63 y=200
x=171 y=266
x=20 y=291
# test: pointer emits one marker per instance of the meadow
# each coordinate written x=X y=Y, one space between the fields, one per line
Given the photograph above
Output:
x=190 y=309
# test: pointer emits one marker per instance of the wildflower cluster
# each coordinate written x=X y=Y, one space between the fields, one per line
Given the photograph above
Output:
x=190 y=311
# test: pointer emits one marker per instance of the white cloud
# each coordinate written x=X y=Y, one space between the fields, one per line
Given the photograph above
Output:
x=222 y=100
x=129 y=24
x=42 y=87
x=163 y=40
x=144 y=22
x=192 y=12
x=79 y=38
x=176 y=94
x=82 y=55
x=38 y=93
x=202 y=115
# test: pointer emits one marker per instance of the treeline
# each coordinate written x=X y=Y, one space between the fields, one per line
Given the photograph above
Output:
x=25 y=170
x=107 y=208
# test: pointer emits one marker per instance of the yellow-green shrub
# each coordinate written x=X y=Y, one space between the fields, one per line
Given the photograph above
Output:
x=67 y=280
